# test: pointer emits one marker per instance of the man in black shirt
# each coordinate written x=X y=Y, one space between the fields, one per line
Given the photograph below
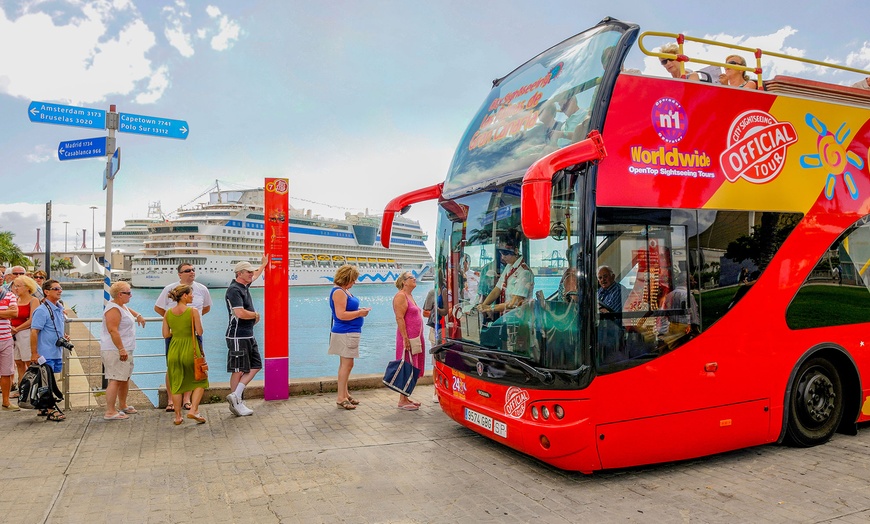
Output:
x=243 y=355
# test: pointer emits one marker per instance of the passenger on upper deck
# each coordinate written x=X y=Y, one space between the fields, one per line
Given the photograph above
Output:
x=862 y=84
x=516 y=282
x=734 y=77
x=673 y=66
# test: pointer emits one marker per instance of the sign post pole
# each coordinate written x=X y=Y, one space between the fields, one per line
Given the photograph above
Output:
x=277 y=290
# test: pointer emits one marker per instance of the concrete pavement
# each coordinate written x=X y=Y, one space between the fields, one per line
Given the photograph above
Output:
x=304 y=460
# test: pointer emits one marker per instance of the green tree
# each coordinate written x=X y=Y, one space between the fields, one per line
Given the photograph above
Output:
x=61 y=264
x=10 y=253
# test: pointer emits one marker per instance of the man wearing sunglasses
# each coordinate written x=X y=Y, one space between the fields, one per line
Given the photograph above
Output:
x=201 y=301
x=516 y=282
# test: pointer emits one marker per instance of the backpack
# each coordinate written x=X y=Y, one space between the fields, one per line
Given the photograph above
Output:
x=38 y=389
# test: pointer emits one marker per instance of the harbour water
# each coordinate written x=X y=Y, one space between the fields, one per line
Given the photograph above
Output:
x=309 y=330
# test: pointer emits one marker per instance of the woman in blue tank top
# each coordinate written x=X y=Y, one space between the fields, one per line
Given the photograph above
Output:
x=347 y=322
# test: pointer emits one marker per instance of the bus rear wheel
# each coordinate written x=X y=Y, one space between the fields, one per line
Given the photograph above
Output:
x=815 y=403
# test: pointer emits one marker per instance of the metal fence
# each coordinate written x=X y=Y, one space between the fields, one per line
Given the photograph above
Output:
x=86 y=361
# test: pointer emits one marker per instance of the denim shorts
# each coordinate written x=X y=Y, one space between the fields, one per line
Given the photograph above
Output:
x=55 y=363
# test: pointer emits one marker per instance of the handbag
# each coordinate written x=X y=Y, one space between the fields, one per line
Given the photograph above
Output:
x=416 y=346
x=401 y=376
x=200 y=366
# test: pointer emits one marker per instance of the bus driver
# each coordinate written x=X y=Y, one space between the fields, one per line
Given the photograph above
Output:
x=516 y=282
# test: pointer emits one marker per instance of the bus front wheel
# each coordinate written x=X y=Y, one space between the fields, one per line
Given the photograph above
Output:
x=815 y=403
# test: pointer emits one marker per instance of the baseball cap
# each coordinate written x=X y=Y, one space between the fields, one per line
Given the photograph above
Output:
x=244 y=266
x=8 y=272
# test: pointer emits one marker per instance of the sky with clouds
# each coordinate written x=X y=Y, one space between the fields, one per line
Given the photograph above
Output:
x=354 y=101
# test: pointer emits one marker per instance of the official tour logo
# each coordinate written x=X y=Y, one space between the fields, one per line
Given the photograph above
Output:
x=670 y=120
x=515 y=402
x=279 y=186
x=757 y=144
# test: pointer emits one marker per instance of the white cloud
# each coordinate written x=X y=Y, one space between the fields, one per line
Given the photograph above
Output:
x=40 y=154
x=174 y=31
x=228 y=34
x=860 y=59
x=91 y=62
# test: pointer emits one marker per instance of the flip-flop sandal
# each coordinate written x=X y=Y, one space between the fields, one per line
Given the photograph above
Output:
x=117 y=416
x=353 y=400
x=346 y=404
x=130 y=410
x=169 y=408
x=197 y=417
x=409 y=407
x=186 y=406
x=56 y=416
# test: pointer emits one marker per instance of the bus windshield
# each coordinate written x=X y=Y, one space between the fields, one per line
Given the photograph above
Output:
x=536 y=316
x=542 y=106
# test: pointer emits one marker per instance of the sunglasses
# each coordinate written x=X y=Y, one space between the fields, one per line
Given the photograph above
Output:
x=733 y=62
x=39 y=278
x=665 y=61
x=56 y=289
x=18 y=274
x=126 y=292
x=190 y=270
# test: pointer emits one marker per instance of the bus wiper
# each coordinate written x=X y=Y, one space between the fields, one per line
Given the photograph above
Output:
x=544 y=376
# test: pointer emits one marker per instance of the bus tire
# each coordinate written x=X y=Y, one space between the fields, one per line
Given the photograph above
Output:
x=815 y=403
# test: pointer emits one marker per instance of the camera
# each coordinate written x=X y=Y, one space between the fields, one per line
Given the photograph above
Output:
x=64 y=343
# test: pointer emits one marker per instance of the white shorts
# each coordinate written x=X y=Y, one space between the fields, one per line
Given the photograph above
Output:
x=117 y=369
x=22 y=345
x=344 y=344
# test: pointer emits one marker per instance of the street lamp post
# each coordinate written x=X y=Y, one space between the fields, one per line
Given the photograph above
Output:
x=93 y=239
x=65 y=230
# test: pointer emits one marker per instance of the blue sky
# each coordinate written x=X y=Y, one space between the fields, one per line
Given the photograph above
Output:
x=354 y=101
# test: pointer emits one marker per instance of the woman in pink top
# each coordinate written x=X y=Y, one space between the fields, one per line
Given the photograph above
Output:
x=409 y=321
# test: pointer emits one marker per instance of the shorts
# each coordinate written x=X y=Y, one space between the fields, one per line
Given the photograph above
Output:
x=7 y=363
x=22 y=345
x=56 y=364
x=344 y=345
x=243 y=355
x=115 y=368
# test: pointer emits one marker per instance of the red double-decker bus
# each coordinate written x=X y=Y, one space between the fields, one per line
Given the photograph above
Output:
x=638 y=270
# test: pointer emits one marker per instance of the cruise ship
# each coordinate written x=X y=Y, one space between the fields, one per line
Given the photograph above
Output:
x=229 y=228
x=131 y=238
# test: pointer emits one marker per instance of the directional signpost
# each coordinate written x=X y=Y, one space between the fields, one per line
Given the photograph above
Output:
x=47 y=113
x=153 y=125
x=84 y=148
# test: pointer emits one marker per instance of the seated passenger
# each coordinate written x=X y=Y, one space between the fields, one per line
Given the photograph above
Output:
x=736 y=78
x=673 y=66
x=611 y=294
x=516 y=282
x=862 y=84
x=682 y=309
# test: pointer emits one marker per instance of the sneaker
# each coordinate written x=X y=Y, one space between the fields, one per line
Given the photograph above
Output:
x=435 y=398
x=244 y=411
x=234 y=404
x=13 y=407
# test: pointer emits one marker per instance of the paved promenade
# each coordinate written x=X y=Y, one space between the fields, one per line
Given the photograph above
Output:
x=304 y=460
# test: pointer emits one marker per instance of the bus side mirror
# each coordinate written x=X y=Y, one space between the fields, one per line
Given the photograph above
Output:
x=538 y=182
x=401 y=204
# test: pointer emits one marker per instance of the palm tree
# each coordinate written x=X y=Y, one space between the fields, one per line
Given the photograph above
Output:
x=10 y=253
x=61 y=264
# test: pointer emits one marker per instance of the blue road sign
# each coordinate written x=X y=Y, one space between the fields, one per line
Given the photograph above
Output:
x=46 y=113
x=153 y=125
x=84 y=148
x=115 y=163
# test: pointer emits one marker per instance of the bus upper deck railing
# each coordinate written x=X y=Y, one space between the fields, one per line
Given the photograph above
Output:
x=87 y=337
x=682 y=58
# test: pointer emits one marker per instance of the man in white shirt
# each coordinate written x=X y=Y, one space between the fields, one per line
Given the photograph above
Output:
x=862 y=84
x=516 y=283
x=201 y=301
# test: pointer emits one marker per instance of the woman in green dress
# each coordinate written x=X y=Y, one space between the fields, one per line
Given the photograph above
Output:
x=180 y=323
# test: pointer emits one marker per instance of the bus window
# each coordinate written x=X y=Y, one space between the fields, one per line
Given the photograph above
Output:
x=645 y=308
x=835 y=293
x=509 y=293
x=732 y=250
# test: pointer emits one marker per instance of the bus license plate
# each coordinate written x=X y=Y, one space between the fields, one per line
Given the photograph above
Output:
x=487 y=423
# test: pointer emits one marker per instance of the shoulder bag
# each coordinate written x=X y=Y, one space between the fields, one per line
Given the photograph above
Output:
x=200 y=366
x=401 y=376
